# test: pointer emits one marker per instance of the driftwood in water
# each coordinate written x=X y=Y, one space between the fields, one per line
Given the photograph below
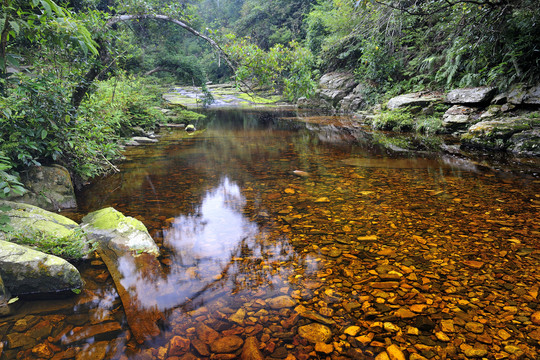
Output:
x=142 y=316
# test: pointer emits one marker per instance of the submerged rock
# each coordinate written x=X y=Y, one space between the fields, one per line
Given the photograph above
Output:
x=478 y=95
x=227 y=344
x=251 y=351
x=49 y=187
x=27 y=271
x=315 y=333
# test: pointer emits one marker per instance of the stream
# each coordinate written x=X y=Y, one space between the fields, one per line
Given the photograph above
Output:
x=288 y=239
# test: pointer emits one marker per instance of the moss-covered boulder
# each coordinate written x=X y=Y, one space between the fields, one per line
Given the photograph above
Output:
x=495 y=134
x=44 y=230
x=49 y=187
x=119 y=233
x=27 y=271
x=525 y=143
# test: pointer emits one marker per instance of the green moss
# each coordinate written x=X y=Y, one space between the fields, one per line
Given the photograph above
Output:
x=258 y=99
x=110 y=219
x=396 y=120
x=75 y=245
x=185 y=116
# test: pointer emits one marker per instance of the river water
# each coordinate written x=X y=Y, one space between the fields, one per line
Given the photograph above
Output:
x=290 y=240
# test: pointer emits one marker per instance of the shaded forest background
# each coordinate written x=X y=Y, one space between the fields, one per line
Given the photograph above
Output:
x=73 y=82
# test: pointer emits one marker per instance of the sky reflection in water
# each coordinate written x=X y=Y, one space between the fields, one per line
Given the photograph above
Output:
x=204 y=247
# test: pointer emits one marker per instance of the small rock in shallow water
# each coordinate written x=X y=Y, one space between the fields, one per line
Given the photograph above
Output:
x=227 y=344
x=281 y=302
x=178 y=346
x=238 y=316
x=324 y=348
x=474 y=327
x=206 y=334
x=394 y=353
x=315 y=333
x=300 y=173
x=535 y=318
x=251 y=351
x=352 y=330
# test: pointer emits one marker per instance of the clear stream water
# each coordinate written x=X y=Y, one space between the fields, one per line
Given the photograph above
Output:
x=268 y=225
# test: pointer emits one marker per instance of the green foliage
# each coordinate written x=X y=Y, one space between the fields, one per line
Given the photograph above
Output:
x=73 y=247
x=10 y=183
x=409 y=46
x=33 y=120
x=5 y=220
x=38 y=21
x=400 y=120
x=395 y=120
x=286 y=69
x=118 y=105
x=183 y=116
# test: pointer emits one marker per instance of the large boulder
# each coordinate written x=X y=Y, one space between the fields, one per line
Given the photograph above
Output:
x=419 y=99
x=495 y=134
x=49 y=187
x=478 y=95
x=353 y=101
x=335 y=86
x=42 y=228
x=27 y=271
x=523 y=95
x=458 y=118
x=118 y=232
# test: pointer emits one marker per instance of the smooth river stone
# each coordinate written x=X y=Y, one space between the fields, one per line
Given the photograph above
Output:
x=206 y=334
x=315 y=333
x=281 y=302
x=251 y=351
x=227 y=344
x=535 y=318
x=178 y=346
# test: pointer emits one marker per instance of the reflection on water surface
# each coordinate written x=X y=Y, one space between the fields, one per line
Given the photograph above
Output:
x=358 y=253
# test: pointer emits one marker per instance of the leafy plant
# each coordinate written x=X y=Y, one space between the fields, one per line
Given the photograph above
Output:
x=5 y=220
x=9 y=181
x=284 y=69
